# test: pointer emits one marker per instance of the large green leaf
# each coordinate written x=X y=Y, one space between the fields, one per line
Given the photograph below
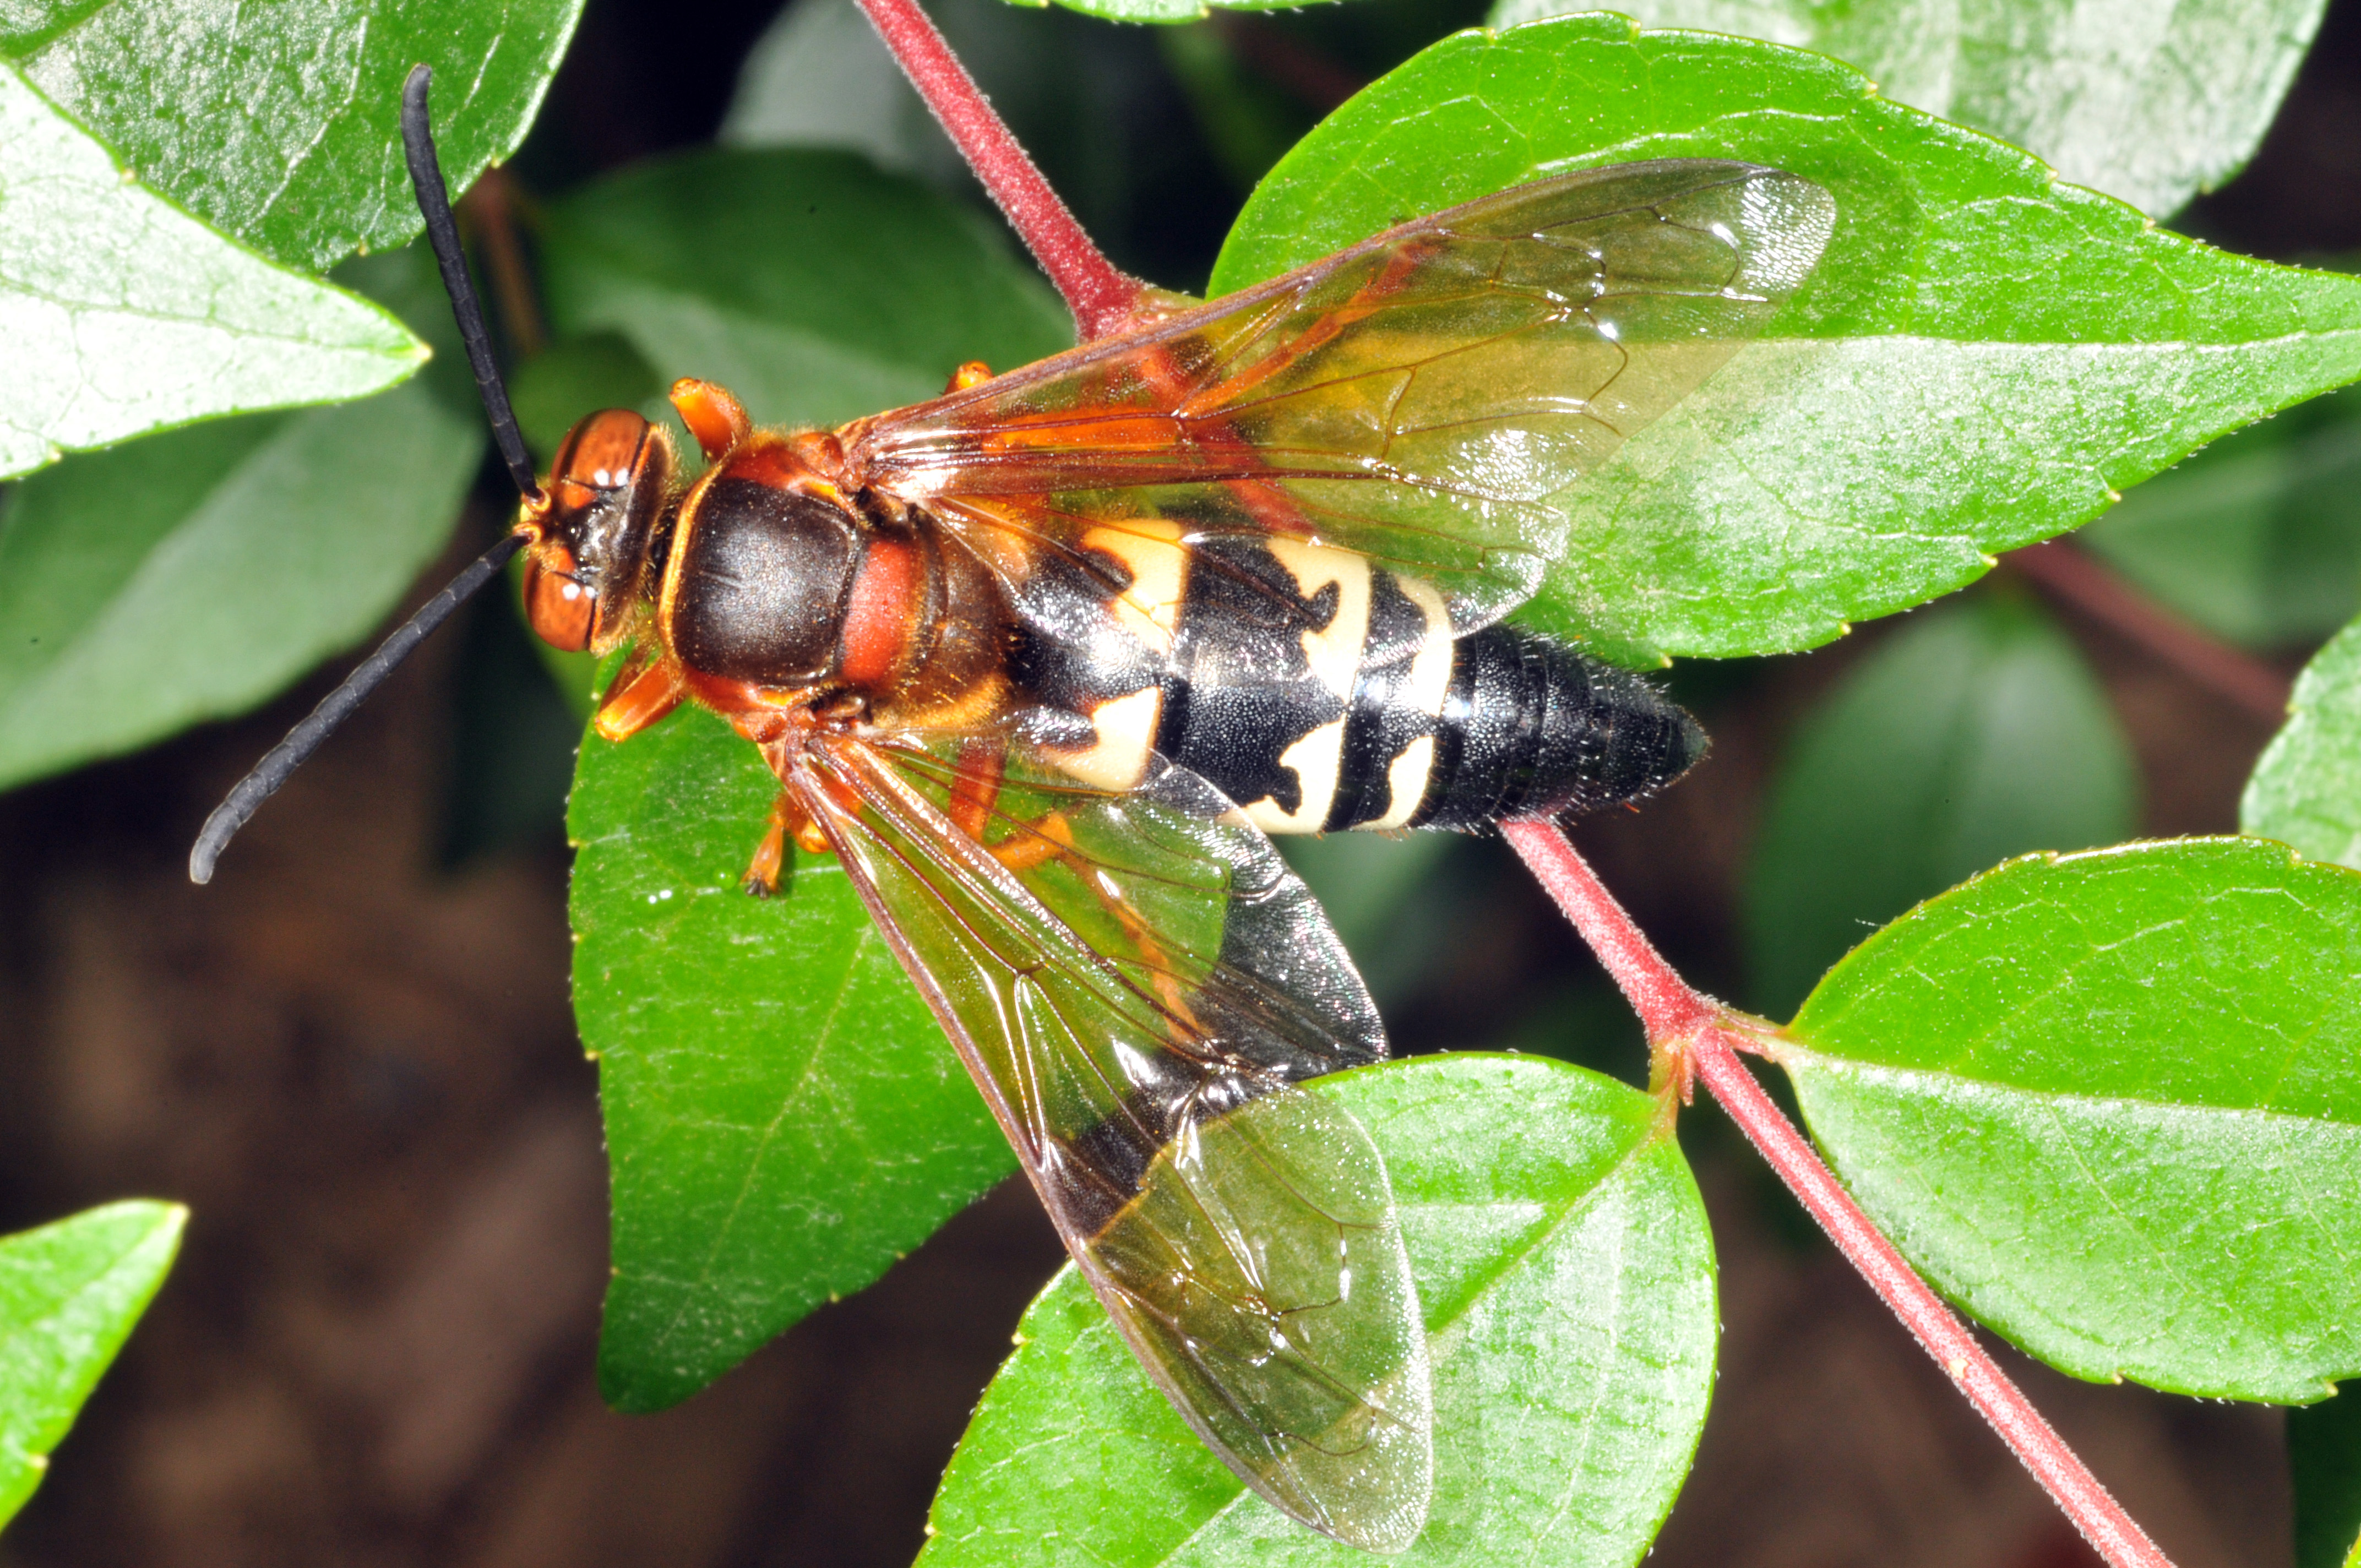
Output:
x=1982 y=359
x=68 y=1294
x=197 y=573
x=2111 y=1105
x=2257 y=538
x=2152 y=102
x=281 y=126
x=1565 y=1269
x=120 y=315
x=1973 y=734
x=806 y=281
x=783 y=1118
x=2325 y=1460
x=2307 y=788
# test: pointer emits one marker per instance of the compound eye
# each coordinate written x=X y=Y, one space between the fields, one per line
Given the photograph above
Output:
x=560 y=611
x=603 y=452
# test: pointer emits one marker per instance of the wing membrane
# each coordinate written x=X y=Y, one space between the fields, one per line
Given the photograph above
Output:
x=1417 y=397
x=1239 y=1231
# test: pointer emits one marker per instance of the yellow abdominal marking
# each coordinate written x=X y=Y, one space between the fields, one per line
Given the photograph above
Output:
x=1334 y=653
x=1150 y=550
x=1126 y=731
x=1317 y=759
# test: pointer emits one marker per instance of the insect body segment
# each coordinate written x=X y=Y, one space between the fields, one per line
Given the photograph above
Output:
x=1323 y=693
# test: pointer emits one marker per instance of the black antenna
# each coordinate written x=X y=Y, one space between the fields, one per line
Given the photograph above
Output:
x=443 y=234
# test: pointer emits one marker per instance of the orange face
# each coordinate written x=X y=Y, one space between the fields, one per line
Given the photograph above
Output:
x=582 y=575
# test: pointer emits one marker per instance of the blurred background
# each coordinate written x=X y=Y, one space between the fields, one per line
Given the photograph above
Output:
x=353 y=1055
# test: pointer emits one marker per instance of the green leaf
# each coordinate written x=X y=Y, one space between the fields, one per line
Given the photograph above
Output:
x=2307 y=789
x=2111 y=1105
x=783 y=1118
x=2150 y=102
x=812 y=286
x=199 y=572
x=68 y=1294
x=2324 y=1461
x=1973 y=733
x=1566 y=1272
x=1982 y=359
x=2255 y=539
x=119 y=315
x=282 y=127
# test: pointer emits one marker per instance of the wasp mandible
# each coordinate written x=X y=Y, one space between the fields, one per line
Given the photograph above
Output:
x=1045 y=660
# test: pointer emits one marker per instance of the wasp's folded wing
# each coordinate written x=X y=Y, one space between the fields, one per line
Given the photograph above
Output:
x=1417 y=397
x=1240 y=1230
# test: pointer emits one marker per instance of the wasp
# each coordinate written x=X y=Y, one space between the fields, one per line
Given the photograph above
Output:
x=1046 y=661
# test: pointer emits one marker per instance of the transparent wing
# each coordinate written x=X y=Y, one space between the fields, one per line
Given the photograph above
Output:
x=1417 y=397
x=1136 y=985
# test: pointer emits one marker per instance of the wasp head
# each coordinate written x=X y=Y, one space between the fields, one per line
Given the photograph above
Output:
x=595 y=530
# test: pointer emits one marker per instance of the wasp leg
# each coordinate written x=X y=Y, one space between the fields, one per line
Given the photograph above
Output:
x=975 y=787
x=788 y=820
x=974 y=373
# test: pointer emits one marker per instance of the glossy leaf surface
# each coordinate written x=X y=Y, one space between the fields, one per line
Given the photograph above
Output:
x=2324 y=1461
x=2111 y=1105
x=281 y=127
x=1561 y=1256
x=120 y=315
x=68 y=1294
x=2256 y=539
x=812 y=286
x=199 y=572
x=2150 y=101
x=1973 y=733
x=2306 y=790
x=1980 y=357
x=783 y=1119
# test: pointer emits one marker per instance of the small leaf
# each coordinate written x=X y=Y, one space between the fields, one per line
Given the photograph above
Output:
x=1982 y=358
x=119 y=315
x=68 y=1294
x=2151 y=103
x=284 y=131
x=1971 y=734
x=1566 y=1273
x=2111 y=1105
x=783 y=1117
x=820 y=76
x=2256 y=538
x=2324 y=1461
x=815 y=288
x=199 y=572
x=2307 y=789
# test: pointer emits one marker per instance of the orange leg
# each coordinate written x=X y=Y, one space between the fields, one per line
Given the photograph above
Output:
x=975 y=788
x=974 y=373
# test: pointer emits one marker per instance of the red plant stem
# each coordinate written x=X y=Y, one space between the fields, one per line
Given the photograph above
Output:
x=2073 y=576
x=1100 y=296
x=1678 y=1017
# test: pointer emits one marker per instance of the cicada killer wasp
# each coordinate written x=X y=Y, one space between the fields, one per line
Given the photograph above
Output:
x=1044 y=661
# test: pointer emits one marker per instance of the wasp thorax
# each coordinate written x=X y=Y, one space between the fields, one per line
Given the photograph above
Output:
x=605 y=493
x=764 y=575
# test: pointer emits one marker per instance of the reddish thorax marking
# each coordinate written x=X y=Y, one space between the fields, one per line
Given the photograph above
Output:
x=877 y=614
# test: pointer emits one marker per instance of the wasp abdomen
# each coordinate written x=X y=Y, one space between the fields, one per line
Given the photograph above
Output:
x=1531 y=728
x=1323 y=693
